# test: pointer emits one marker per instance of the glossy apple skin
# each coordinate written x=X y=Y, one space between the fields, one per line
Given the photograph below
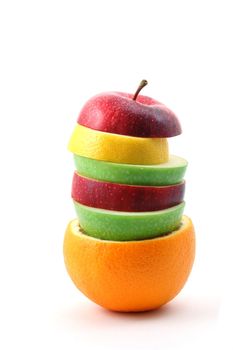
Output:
x=118 y=113
x=128 y=198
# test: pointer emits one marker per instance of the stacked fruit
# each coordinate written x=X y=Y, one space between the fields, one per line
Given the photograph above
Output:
x=128 y=194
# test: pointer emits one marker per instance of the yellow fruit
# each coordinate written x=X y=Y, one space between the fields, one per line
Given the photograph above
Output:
x=130 y=276
x=118 y=148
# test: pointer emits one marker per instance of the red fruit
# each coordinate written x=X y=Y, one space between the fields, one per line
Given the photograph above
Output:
x=118 y=113
x=119 y=197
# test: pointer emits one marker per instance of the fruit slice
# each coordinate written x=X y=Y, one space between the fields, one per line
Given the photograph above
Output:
x=118 y=113
x=168 y=173
x=113 y=196
x=118 y=148
x=124 y=226
x=130 y=276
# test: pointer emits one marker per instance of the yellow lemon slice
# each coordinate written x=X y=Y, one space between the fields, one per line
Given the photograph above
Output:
x=118 y=148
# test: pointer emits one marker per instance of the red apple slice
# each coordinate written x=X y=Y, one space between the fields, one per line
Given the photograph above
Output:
x=121 y=113
x=129 y=198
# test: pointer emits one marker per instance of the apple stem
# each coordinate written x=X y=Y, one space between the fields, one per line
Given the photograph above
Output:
x=141 y=86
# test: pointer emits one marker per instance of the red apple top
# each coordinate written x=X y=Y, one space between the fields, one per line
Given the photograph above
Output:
x=128 y=114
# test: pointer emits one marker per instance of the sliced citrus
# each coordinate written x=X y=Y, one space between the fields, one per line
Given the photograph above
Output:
x=118 y=148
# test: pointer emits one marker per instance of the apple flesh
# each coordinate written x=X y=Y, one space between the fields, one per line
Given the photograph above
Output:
x=114 y=196
x=118 y=113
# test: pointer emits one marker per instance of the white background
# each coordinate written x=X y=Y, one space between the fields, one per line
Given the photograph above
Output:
x=54 y=56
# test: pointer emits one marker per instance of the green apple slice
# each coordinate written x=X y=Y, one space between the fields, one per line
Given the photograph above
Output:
x=125 y=226
x=168 y=173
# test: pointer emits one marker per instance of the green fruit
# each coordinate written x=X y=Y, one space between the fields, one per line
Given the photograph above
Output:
x=125 y=226
x=168 y=173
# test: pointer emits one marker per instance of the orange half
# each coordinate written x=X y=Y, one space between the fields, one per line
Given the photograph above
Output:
x=133 y=275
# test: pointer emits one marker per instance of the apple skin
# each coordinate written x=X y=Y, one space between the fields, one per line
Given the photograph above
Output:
x=164 y=174
x=118 y=113
x=125 y=226
x=128 y=198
